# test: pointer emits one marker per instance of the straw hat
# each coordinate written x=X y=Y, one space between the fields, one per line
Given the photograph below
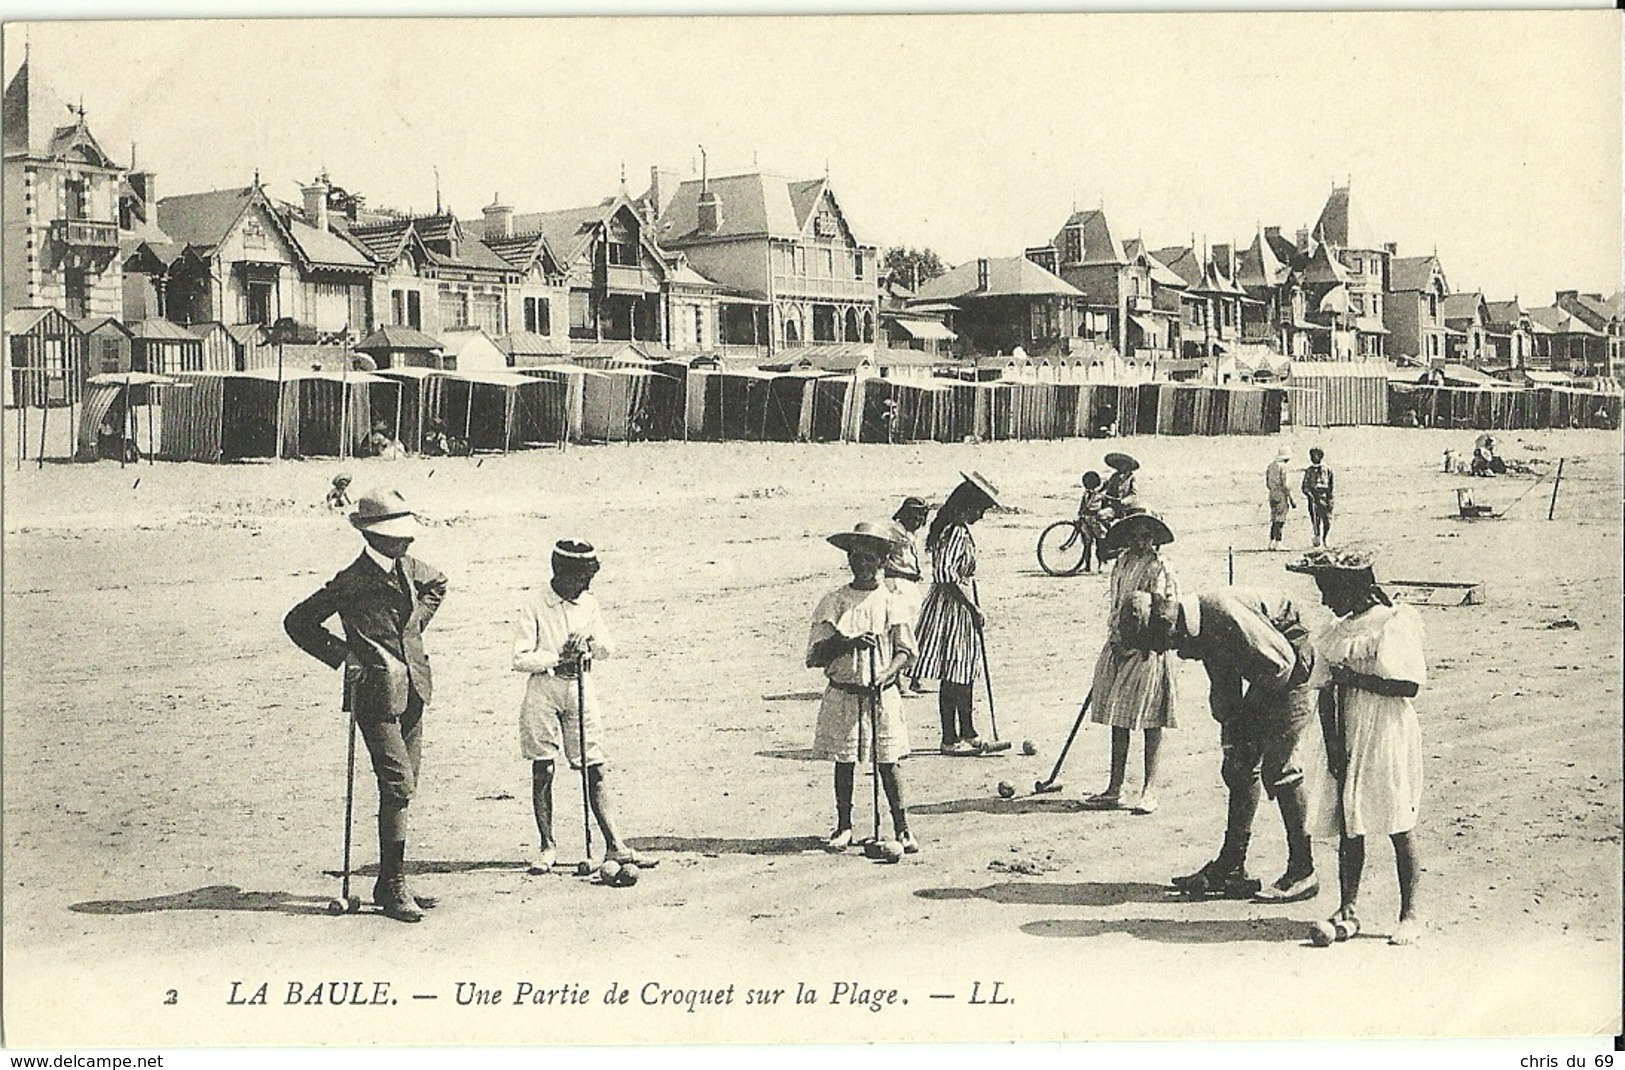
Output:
x=981 y=483
x=383 y=512
x=876 y=538
x=1117 y=535
x=1351 y=561
x=1122 y=462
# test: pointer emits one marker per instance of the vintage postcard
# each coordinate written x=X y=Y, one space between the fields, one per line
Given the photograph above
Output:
x=829 y=529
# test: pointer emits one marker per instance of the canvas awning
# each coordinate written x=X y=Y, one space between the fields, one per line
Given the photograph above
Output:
x=1145 y=323
x=926 y=330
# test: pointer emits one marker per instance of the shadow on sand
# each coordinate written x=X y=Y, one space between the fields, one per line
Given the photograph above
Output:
x=719 y=845
x=1033 y=804
x=798 y=754
x=1178 y=930
x=213 y=897
x=1040 y=894
x=794 y=696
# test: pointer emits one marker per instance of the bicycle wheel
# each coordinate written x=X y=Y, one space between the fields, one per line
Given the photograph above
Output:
x=1061 y=549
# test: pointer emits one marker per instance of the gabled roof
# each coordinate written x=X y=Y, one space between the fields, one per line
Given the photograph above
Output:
x=1323 y=269
x=1285 y=251
x=1593 y=309
x=1503 y=313
x=568 y=231
x=92 y=324
x=394 y=336
x=531 y=344
x=1134 y=248
x=1468 y=307
x=384 y=241
x=324 y=248
x=1199 y=275
x=1009 y=276
x=37 y=122
x=521 y=251
x=1259 y=267
x=1100 y=245
x=1412 y=273
x=1551 y=319
x=203 y=220
x=758 y=204
x=1342 y=225
x=160 y=330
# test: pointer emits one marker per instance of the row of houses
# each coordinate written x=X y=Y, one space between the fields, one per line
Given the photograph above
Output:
x=742 y=269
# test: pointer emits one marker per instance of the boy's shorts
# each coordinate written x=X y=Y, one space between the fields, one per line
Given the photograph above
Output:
x=548 y=726
x=1262 y=739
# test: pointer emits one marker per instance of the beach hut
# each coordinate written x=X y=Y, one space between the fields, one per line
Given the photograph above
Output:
x=107 y=345
x=46 y=353
x=735 y=407
x=164 y=348
x=221 y=350
x=396 y=346
x=226 y=416
x=830 y=402
x=568 y=420
x=527 y=349
x=1337 y=393
x=470 y=349
x=109 y=424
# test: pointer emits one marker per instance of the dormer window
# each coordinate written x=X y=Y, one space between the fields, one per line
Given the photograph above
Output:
x=825 y=225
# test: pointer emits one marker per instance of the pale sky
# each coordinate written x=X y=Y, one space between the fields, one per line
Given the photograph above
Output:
x=1493 y=137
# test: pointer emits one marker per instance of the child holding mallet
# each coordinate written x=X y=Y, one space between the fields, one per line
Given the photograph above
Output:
x=863 y=638
x=558 y=635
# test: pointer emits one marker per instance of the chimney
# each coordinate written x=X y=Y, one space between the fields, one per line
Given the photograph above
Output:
x=981 y=273
x=1272 y=232
x=1223 y=260
x=1303 y=239
x=498 y=218
x=1391 y=248
x=662 y=188
x=316 y=202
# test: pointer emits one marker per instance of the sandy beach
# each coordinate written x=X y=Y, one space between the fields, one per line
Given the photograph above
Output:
x=173 y=766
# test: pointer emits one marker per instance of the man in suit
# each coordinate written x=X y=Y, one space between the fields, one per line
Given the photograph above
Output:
x=384 y=600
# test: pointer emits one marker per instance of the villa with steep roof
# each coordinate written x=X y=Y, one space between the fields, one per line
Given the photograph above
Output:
x=1364 y=260
x=1008 y=302
x=790 y=270
x=1413 y=308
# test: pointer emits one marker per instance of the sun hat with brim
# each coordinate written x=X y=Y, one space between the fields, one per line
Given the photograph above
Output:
x=384 y=512
x=981 y=483
x=876 y=538
x=1121 y=461
x=1348 y=561
x=1118 y=533
x=911 y=504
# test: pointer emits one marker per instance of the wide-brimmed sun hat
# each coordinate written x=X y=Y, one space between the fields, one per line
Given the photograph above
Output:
x=1350 y=561
x=982 y=484
x=864 y=535
x=1121 y=461
x=383 y=511
x=1117 y=535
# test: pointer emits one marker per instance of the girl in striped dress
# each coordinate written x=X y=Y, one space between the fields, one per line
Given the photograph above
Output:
x=1134 y=689
x=950 y=628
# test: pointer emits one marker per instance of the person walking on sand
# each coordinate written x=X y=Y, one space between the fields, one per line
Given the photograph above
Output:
x=1371 y=663
x=1280 y=495
x=1258 y=658
x=862 y=636
x=1317 y=496
x=1092 y=521
x=557 y=637
x=903 y=573
x=1133 y=690
x=384 y=599
x=950 y=627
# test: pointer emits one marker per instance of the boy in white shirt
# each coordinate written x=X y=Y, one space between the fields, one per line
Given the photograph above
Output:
x=558 y=636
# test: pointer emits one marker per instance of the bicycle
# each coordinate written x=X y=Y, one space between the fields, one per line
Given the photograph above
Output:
x=1064 y=548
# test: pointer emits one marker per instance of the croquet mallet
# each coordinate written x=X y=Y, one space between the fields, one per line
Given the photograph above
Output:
x=347 y=903
x=998 y=744
x=583 y=662
x=1051 y=783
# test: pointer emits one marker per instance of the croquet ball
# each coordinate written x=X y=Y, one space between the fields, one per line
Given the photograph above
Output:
x=610 y=871
x=1007 y=790
x=629 y=874
x=583 y=868
x=335 y=906
x=1322 y=934
x=891 y=851
x=871 y=848
x=1028 y=748
x=354 y=904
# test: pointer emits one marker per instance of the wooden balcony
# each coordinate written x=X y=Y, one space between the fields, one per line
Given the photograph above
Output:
x=617 y=278
x=810 y=286
x=85 y=234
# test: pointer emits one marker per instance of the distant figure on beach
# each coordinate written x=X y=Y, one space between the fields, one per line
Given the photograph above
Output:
x=1133 y=690
x=1092 y=521
x=1485 y=462
x=950 y=627
x=378 y=442
x=904 y=574
x=862 y=636
x=1317 y=496
x=1118 y=491
x=1370 y=664
x=339 y=496
x=1280 y=495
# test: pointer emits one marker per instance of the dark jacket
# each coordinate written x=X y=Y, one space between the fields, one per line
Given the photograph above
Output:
x=383 y=633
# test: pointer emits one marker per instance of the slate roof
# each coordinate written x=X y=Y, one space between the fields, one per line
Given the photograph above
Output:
x=566 y=231
x=1503 y=313
x=1134 y=248
x=1258 y=267
x=531 y=344
x=1100 y=245
x=382 y=241
x=1550 y=319
x=753 y=205
x=1323 y=270
x=395 y=336
x=202 y=220
x=1461 y=307
x=1009 y=276
x=1594 y=310
x=1410 y=273
x=162 y=330
x=1342 y=225
x=37 y=122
